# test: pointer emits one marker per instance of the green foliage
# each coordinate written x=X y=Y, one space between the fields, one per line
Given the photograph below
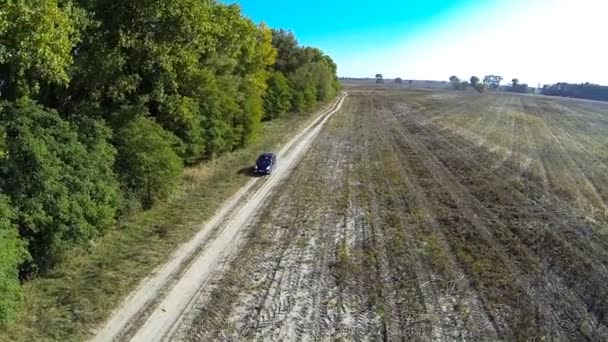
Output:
x=106 y=100
x=311 y=74
x=37 y=39
x=323 y=76
x=480 y=87
x=278 y=96
x=63 y=189
x=147 y=163
x=181 y=116
x=305 y=91
x=12 y=254
x=289 y=54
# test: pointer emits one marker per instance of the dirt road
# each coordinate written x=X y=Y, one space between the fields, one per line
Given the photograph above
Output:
x=151 y=312
x=402 y=224
x=412 y=215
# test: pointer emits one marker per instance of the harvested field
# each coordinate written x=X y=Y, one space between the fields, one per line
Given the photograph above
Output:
x=428 y=215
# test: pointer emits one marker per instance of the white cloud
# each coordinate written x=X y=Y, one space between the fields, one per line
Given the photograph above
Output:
x=538 y=42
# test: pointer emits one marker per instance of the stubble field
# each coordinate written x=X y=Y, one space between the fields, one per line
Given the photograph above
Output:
x=429 y=215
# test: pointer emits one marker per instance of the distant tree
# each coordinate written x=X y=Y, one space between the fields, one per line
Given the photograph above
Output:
x=379 y=78
x=455 y=82
x=398 y=80
x=474 y=80
x=480 y=87
x=517 y=87
x=464 y=85
x=583 y=91
x=492 y=81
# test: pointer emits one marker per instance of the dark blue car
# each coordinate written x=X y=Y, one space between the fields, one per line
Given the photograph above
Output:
x=265 y=164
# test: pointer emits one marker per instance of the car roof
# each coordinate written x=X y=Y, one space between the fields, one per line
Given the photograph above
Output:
x=267 y=154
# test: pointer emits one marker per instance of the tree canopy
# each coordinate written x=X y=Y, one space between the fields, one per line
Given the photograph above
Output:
x=492 y=81
x=102 y=103
x=474 y=81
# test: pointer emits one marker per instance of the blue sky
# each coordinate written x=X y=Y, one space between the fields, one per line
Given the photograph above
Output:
x=537 y=41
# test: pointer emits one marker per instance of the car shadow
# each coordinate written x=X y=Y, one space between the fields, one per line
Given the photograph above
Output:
x=247 y=171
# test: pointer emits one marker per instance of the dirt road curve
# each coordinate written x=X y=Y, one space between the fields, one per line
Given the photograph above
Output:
x=151 y=311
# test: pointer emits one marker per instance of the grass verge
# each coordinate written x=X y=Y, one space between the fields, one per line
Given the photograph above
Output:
x=74 y=299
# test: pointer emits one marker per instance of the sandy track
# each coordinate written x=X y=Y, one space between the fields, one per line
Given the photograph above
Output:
x=152 y=310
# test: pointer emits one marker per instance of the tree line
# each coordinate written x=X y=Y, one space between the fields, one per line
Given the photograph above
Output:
x=489 y=82
x=584 y=91
x=102 y=104
x=473 y=82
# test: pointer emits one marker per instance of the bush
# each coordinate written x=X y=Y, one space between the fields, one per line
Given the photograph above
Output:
x=148 y=165
x=12 y=254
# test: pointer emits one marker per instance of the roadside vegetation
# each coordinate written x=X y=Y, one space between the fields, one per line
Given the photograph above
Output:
x=103 y=105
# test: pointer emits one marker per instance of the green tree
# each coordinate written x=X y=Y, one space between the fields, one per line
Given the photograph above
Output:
x=518 y=87
x=181 y=116
x=61 y=185
x=492 y=81
x=474 y=81
x=311 y=73
x=305 y=91
x=322 y=76
x=278 y=96
x=288 y=52
x=147 y=163
x=455 y=82
x=37 y=38
x=12 y=254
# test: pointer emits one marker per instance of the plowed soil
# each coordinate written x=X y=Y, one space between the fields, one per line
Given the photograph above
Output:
x=420 y=215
